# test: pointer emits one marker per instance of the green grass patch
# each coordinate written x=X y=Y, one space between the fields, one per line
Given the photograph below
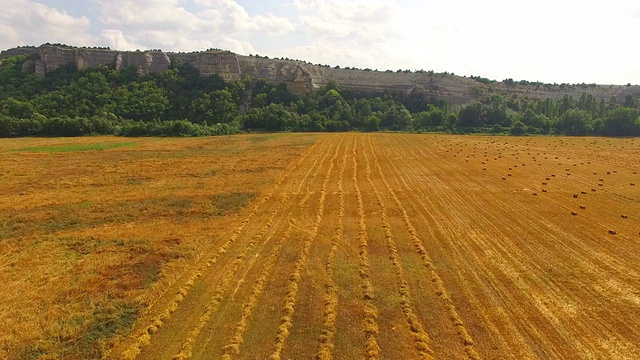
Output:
x=212 y=172
x=53 y=218
x=77 y=147
x=261 y=138
x=30 y=352
x=88 y=245
x=106 y=321
x=136 y=181
x=230 y=203
x=5 y=230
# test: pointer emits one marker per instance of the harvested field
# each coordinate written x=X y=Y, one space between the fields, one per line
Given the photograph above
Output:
x=332 y=246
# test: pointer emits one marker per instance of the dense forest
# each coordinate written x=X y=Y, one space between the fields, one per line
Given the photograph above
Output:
x=180 y=102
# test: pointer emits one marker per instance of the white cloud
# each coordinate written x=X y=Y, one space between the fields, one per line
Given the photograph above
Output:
x=324 y=52
x=546 y=40
x=174 y=26
x=362 y=11
x=235 y=45
x=116 y=40
x=147 y=15
x=25 y=22
x=360 y=20
x=346 y=33
x=274 y=25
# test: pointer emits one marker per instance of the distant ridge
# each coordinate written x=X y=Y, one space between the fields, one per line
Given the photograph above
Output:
x=302 y=77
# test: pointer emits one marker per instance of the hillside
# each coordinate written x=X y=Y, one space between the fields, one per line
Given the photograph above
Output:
x=302 y=77
x=58 y=90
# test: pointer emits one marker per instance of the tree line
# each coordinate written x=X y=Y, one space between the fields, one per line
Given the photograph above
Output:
x=181 y=102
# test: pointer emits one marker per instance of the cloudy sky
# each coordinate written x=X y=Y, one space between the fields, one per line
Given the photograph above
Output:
x=543 y=40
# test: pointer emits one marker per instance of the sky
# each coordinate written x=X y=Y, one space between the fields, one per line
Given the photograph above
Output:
x=553 y=41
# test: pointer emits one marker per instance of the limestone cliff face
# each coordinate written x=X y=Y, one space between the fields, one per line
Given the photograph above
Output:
x=300 y=77
x=154 y=62
x=19 y=51
x=209 y=63
x=47 y=58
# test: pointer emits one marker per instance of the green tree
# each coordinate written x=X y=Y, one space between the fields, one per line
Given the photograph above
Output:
x=14 y=127
x=497 y=116
x=539 y=123
x=140 y=101
x=630 y=101
x=397 y=117
x=471 y=116
x=362 y=108
x=16 y=108
x=213 y=107
x=274 y=117
x=518 y=129
x=565 y=104
x=372 y=123
x=434 y=117
x=574 y=122
x=622 y=121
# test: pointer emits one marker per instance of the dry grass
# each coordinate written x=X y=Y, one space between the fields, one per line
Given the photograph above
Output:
x=93 y=230
x=359 y=246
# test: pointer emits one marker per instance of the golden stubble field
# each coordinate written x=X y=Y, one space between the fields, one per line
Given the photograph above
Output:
x=344 y=246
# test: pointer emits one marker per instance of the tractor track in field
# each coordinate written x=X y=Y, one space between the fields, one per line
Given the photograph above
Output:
x=166 y=304
x=419 y=335
x=276 y=217
x=331 y=301
x=418 y=244
x=135 y=349
x=372 y=350
x=292 y=290
x=232 y=348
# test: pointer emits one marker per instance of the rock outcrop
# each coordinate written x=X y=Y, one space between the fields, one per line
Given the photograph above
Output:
x=47 y=58
x=301 y=77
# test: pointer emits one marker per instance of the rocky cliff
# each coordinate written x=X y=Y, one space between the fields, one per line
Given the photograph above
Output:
x=301 y=77
x=47 y=58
